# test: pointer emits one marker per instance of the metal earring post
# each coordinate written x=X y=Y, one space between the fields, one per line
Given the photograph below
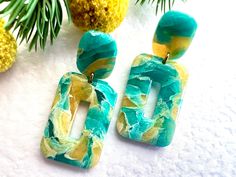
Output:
x=90 y=80
x=166 y=58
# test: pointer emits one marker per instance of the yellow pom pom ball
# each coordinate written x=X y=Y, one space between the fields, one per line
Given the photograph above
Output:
x=102 y=15
x=7 y=48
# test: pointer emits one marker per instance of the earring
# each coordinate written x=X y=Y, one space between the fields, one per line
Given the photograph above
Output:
x=96 y=59
x=173 y=36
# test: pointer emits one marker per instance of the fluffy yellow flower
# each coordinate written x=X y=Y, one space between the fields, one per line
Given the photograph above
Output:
x=7 y=48
x=102 y=15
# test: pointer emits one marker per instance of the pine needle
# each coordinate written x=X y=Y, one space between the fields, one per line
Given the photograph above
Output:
x=35 y=20
x=161 y=5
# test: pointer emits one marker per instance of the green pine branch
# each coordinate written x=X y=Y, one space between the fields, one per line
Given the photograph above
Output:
x=160 y=4
x=34 y=20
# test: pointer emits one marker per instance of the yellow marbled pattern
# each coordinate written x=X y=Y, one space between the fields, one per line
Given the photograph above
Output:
x=57 y=143
x=157 y=130
x=173 y=35
x=176 y=45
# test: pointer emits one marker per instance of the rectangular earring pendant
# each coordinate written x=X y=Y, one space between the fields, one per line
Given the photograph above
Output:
x=159 y=129
x=56 y=143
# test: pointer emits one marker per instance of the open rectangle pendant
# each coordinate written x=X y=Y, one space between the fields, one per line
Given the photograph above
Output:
x=159 y=129
x=57 y=144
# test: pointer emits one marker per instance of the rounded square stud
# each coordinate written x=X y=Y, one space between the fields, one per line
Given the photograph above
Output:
x=173 y=35
x=96 y=54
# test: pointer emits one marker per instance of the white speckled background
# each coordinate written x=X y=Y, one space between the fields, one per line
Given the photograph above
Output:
x=205 y=140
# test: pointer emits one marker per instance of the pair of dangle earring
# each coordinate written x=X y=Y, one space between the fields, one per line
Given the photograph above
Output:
x=96 y=59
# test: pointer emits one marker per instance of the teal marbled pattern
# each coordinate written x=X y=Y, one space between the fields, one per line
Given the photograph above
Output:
x=174 y=34
x=57 y=143
x=159 y=129
x=96 y=54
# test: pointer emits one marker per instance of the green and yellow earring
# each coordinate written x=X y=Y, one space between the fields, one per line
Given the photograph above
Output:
x=96 y=58
x=173 y=36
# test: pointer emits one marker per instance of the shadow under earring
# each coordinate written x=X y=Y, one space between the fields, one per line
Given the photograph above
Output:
x=96 y=59
x=173 y=36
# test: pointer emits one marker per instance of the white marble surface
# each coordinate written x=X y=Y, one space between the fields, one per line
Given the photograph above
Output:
x=204 y=143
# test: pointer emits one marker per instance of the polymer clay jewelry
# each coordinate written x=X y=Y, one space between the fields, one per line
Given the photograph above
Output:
x=96 y=58
x=173 y=36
